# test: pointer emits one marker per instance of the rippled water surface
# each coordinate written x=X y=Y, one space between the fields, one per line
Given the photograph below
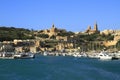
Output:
x=59 y=68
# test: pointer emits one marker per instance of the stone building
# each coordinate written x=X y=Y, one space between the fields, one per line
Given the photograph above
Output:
x=52 y=31
x=92 y=31
x=62 y=38
x=37 y=43
x=19 y=49
x=109 y=43
x=117 y=35
x=107 y=32
x=64 y=45
x=33 y=49
x=116 y=38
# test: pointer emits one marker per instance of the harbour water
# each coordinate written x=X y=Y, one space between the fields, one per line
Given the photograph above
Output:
x=59 y=68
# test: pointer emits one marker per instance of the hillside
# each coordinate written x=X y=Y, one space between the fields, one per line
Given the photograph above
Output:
x=11 y=33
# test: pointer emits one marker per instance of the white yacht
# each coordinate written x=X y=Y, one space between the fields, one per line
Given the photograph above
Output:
x=45 y=53
x=104 y=56
x=117 y=55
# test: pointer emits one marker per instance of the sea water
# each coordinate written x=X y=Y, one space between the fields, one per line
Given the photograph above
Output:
x=59 y=68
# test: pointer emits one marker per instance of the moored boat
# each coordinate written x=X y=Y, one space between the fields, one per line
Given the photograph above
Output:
x=6 y=55
x=77 y=54
x=23 y=55
x=104 y=56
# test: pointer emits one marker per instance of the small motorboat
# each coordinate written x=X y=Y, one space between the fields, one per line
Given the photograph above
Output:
x=104 y=56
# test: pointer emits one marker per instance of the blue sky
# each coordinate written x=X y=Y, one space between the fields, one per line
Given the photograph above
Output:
x=72 y=15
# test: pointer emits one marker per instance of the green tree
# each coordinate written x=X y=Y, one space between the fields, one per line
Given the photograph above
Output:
x=66 y=34
x=53 y=37
x=43 y=35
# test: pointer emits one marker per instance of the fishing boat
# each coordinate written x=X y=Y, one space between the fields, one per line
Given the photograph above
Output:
x=24 y=55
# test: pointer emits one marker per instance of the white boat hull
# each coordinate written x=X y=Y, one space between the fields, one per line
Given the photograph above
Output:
x=104 y=56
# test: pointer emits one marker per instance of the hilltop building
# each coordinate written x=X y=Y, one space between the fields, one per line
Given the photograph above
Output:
x=52 y=31
x=117 y=35
x=92 y=31
x=107 y=32
x=116 y=38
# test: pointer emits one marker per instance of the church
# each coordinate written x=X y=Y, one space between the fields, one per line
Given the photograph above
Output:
x=92 y=31
x=52 y=31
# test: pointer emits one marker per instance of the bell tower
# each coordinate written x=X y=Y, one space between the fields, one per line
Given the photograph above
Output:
x=95 y=27
x=53 y=26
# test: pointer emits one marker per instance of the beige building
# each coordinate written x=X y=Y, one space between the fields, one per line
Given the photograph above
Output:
x=17 y=41
x=116 y=38
x=107 y=32
x=62 y=38
x=109 y=43
x=52 y=31
x=92 y=31
x=33 y=49
x=62 y=46
x=19 y=49
x=37 y=43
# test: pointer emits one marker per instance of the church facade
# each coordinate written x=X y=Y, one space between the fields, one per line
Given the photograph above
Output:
x=92 y=31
